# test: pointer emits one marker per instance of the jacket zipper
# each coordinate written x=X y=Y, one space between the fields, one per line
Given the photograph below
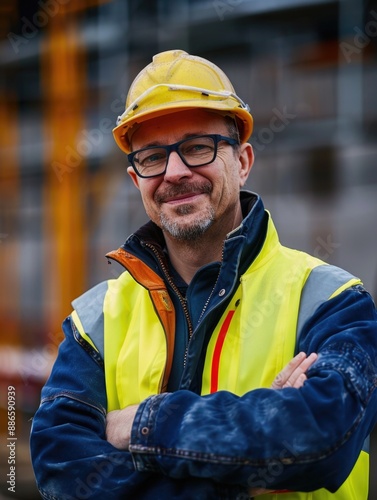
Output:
x=182 y=300
x=204 y=310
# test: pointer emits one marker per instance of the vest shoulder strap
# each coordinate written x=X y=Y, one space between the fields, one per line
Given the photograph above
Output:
x=89 y=309
x=324 y=282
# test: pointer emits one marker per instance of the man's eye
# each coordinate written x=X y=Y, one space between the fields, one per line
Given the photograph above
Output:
x=196 y=149
x=152 y=159
x=155 y=157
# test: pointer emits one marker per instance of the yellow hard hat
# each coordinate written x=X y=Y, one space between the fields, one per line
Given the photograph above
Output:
x=175 y=81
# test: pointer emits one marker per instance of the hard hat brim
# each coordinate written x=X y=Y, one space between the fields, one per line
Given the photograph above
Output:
x=121 y=132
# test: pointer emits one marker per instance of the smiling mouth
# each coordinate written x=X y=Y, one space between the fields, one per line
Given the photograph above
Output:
x=187 y=197
x=175 y=195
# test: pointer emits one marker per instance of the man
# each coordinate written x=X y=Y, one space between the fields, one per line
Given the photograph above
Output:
x=220 y=364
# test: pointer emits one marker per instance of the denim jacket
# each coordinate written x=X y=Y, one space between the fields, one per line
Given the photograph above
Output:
x=314 y=435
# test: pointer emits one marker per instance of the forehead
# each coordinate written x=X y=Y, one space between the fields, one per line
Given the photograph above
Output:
x=175 y=126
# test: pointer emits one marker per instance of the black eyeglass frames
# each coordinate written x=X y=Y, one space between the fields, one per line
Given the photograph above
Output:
x=195 y=151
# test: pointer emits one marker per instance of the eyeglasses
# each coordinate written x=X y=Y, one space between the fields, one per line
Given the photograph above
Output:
x=194 y=152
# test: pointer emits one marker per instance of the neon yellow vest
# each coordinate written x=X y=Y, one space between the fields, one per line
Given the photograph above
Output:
x=254 y=339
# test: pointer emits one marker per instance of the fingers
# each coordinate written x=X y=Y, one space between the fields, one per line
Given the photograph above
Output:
x=307 y=362
x=297 y=383
x=282 y=377
x=298 y=377
x=293 y=375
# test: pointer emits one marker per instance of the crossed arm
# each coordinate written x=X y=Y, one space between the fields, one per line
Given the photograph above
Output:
x=119 y=422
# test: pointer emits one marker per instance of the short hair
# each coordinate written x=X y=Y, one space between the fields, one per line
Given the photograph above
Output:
x=233 y=131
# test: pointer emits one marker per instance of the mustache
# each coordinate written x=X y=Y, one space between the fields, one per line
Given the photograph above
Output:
x=180 y=190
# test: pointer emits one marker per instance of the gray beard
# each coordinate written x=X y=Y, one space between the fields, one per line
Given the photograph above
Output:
x=184 y=232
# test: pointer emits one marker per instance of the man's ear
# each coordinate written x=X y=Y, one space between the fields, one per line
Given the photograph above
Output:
x=135 y=179
x=246 y=159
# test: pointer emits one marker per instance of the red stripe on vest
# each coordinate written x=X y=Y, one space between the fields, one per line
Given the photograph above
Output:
x=217 y=352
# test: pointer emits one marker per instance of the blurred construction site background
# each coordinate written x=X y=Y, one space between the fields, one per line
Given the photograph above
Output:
x=308 y=70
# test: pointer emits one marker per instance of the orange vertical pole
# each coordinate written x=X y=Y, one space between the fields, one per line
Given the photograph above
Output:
x=9 y=221
x=64 y=82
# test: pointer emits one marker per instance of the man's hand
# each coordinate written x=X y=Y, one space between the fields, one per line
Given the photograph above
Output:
x=119 y=425
x=294 y=374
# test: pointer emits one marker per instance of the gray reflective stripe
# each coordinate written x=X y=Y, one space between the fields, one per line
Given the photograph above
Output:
x=366 y=445
x=89 y=308
x=320 y=285
x=322 y=282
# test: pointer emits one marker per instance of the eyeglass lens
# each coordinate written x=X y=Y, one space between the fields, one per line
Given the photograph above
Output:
x=194 y=152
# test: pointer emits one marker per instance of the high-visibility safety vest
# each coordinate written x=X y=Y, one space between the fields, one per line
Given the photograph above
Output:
x=131 y=322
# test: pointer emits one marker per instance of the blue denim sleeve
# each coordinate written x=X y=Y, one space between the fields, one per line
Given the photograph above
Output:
x=70 y=455
x=300 y=439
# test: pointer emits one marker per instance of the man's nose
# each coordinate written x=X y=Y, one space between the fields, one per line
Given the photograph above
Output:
x=176 y=169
